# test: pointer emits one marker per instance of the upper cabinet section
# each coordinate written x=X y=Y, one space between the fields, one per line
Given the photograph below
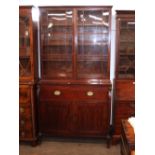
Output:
x=27 y=45
x=125 y=39
x=75 y=43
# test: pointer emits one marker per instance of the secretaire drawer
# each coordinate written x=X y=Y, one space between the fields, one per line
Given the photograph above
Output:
x=55 y=92
x=73 y=92
x=91 y=92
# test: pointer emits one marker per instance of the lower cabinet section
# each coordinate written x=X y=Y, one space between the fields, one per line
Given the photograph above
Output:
x=27 y=113
x=75 y=111
x=123 y=110
x=124 y=103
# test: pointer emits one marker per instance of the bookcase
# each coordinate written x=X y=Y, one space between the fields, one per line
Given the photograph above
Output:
x=27 y=76
x=74 y=87
x=124 y=83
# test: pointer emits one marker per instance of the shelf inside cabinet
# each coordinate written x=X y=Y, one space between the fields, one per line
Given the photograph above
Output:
x=56 y=57
x=91 y=76
x=56 y=69
x=92 y=58
x=58 y=43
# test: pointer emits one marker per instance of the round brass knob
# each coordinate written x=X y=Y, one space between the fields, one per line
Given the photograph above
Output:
x=57 y=92
x=90 y=93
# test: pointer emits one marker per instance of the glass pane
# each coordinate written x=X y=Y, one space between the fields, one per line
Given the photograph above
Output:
x=24 y=46
x=93 y=36
x=127 y=49
x=56 y=39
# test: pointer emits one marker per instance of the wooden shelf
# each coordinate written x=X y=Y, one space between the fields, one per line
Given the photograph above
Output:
x=89 y=76
x=93 y=33
x=127 y=54
x=92 y=58
x=56 y=57
x=92 y=25
x=56 y=24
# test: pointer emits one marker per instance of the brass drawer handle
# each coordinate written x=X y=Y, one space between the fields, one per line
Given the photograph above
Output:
x=57 y=92
x=133 y=83
x=90 y=93
x=21 y=110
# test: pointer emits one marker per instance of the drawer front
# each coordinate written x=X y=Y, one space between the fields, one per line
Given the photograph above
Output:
x=73 y=92
x=25 y=123
x=24 y=94
x=125 y=90
x=91 y=92
x=55 y=92
x=25 y=133
x=24 y=112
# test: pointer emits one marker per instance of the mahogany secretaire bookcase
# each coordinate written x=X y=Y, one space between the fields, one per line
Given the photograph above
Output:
x=74 y=86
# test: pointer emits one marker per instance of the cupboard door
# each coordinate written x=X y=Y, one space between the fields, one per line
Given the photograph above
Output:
x=93 y=28
x=126 y=48
x=56 y=43
x=54 y=117
x=91 y=118
x=25 y=46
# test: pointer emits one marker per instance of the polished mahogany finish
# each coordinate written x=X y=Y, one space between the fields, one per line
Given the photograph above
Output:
x=74 y=86
x=127 y=138
x=27 y=113
x=73 y=110
x=124 y=83
x=27 y=75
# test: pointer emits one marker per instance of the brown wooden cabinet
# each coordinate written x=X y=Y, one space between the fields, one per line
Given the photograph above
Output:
x=124 y=83
x=73 y=110
x=27 y=76
x=75 y=78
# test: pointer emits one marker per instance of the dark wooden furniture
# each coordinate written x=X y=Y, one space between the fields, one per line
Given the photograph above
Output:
x=27 y=76
x=124 y=85
x=74 y=86
x=127 y=139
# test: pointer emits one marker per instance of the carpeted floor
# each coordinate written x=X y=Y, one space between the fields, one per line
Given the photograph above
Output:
x=63 y=147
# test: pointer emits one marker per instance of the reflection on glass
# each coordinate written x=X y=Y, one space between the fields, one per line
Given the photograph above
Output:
x=56 y=37
x=24 y=47
x=127 y=49
x=93 y=34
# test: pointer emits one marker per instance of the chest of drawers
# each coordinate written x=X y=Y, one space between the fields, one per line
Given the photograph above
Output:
x=27 y=113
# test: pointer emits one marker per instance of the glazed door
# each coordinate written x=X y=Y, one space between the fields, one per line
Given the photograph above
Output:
x=25 y=47
x=126 y=48
x=93 y=27
x=56 y=43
